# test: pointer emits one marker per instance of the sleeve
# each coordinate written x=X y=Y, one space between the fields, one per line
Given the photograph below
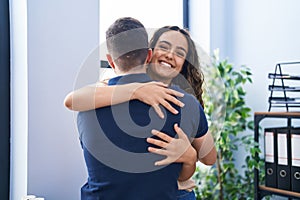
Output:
x=202 y=126
x=193 y=119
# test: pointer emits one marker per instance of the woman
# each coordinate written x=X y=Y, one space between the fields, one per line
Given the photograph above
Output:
x=174 y=60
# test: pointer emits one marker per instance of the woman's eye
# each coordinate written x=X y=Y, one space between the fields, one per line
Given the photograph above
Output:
x=180 y=54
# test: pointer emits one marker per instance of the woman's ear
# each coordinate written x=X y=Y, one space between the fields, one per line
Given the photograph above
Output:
x=110 y=61
x=149 y=56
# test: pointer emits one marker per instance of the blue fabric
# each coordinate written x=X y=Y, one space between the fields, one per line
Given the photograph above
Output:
x=116 y=152
x=186 y=195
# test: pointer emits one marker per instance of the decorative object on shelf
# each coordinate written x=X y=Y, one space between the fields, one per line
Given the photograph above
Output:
x=286 y=86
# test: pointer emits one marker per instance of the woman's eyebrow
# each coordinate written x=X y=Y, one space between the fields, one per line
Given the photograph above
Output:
x=163 y=41
x=170 y=44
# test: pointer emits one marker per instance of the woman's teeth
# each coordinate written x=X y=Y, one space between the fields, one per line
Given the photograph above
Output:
x=165 y=64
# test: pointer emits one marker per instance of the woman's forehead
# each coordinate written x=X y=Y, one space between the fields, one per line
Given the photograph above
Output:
x=175 y=38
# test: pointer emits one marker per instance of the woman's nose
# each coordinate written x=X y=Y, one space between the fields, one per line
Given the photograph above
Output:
x=170 y=54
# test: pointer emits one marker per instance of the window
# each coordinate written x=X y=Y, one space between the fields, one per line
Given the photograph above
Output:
x=157 y=13
x=153 y=14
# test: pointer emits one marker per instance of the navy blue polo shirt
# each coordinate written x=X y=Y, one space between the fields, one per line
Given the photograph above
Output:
x=114 y=144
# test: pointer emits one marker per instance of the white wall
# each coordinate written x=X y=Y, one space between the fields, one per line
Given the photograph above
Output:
x=61 y=34
x=54 y=39
x=19 y=98
x=258 y=34
x=199 y=13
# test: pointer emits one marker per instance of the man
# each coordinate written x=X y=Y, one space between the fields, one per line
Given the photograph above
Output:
x=114 y=137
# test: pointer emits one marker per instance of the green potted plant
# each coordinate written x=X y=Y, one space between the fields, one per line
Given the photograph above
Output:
x=225 y=180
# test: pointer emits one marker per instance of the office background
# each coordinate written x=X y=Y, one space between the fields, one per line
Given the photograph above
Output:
x=51 y=39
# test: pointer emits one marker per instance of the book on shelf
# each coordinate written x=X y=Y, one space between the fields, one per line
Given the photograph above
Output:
x=283 y=159
x=271 y=157
x=295 y=156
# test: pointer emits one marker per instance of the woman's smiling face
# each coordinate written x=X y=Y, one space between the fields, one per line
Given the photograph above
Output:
x=169 y=55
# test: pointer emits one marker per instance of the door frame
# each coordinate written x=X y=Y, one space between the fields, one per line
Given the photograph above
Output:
x=5 y=99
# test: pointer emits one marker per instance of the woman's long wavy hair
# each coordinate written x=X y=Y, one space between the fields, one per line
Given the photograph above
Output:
x=191 y=67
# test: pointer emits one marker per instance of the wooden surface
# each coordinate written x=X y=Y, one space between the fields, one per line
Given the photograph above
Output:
x=286 y=192
x=293 y=114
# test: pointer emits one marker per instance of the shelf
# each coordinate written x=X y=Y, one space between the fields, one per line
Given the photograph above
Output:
x=261 y=191
x=283 y=88
x=283 y=76
x=278 y=114
x=279 y=191
x=285 y=100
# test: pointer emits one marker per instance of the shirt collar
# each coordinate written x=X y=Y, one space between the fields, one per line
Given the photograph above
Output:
x=129 y=78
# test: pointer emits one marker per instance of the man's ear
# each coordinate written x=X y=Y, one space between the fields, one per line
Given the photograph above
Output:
x=110 y=61
x=149 y=56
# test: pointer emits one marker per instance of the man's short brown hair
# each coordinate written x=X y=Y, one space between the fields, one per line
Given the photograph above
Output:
x=127 y=43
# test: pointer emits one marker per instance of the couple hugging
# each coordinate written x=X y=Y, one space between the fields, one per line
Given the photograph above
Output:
x=143 y=131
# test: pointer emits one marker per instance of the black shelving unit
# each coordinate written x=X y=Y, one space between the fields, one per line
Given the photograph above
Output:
x=282 y=89
x=261 y=190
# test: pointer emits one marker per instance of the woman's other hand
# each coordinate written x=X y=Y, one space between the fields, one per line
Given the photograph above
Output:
x=175 y=149
x=157 y=93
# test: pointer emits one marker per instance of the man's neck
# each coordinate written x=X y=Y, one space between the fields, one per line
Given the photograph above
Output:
x=159 y=78
x=134 y=70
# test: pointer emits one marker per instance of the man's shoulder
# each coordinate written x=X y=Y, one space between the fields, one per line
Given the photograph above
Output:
x=187 y=96
x=86 y=116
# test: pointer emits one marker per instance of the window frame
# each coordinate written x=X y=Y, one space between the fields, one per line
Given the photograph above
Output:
x=5 y=100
